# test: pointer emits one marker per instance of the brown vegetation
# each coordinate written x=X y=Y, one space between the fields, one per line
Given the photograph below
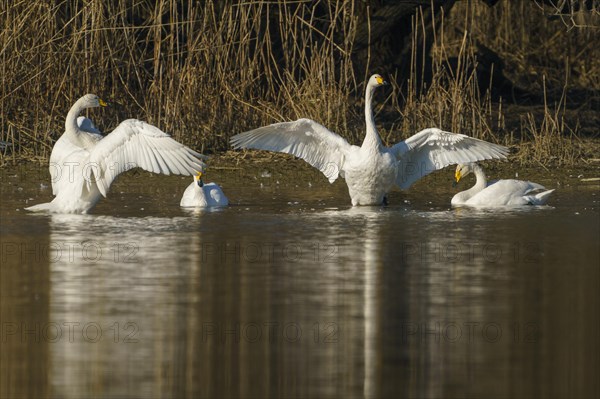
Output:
x=204 y=71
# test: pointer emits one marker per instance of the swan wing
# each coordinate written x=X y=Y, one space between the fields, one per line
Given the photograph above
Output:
x=138 y=144
x=506 y=192
x=433 y=149
x=304 y=138
x=216 y=195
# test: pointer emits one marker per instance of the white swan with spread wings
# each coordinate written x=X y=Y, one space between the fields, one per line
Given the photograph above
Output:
x=83 y=163
x=372 y=169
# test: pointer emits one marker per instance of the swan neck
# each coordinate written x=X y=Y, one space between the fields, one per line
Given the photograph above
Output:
x=372 y=138
x=71 y=126
x=480 y=184
x=481 y=180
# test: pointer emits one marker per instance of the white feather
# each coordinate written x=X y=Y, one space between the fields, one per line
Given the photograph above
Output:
x=372 y=169
x=83 y=163
x=433 y=149
x=138 y=144
x=508 y=192
x=303 y=138
x=207 y=195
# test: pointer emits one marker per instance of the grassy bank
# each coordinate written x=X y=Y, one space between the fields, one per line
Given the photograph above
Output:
x=204 y=71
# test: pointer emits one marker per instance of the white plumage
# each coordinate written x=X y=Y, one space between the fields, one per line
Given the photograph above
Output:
x=83 y=163
x=372 y=169
x=507 y=192
x=201 y=195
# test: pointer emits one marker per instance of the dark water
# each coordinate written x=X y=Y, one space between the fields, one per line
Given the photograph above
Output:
x=292 y=293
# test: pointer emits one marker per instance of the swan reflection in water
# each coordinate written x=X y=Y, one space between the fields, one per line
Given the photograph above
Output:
x=115 y=288
x=380 y=304
x=142 y=280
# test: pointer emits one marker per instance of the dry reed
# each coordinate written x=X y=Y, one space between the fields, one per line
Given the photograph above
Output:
x=203 y=71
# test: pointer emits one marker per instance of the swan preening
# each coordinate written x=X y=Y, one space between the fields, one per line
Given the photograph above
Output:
x=200 y=195
x=83 y=163
x=372 y=169
x=507 y=192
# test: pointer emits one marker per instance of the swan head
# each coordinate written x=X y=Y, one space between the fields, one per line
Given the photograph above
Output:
x=376 y=81
x=198 y=179
x=462 y=171
x=92 y=100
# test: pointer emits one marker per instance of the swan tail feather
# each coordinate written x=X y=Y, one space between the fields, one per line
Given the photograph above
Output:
x=539 y=198
x=40 y=207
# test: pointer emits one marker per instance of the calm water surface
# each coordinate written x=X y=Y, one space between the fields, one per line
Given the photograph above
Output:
x=290 y=292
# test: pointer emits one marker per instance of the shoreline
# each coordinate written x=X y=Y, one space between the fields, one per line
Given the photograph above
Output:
x=255 y=163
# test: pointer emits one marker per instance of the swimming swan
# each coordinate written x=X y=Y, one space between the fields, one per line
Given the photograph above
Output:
x=372 y=169
x=198 y=194
x=83 y=163
x=499 y=193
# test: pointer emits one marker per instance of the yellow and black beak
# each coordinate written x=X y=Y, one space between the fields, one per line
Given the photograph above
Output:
x=457 y=175
x=381 y=81
x=102 y=103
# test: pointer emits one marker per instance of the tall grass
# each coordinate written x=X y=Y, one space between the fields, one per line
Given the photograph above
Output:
x=453 y=100
x=549 y=139
x=541 y=57
x=204 y=71
x=557 y=61
x=199 y=70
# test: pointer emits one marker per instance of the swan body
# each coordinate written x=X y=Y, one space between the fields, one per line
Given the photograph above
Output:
x=372 y=169
x=200 y=195
x=83 y=163
x=508 y=192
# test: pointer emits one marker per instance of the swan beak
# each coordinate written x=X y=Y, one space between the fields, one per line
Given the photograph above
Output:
x=102 y=103
x=457 y=176
x=198 y=178
x=381 y=81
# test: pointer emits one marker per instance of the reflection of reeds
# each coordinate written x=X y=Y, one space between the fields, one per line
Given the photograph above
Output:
x=206 y=70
